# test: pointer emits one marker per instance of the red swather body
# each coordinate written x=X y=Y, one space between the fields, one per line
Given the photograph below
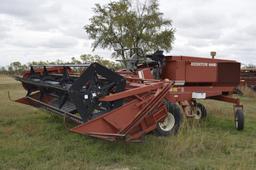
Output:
x=130 y=103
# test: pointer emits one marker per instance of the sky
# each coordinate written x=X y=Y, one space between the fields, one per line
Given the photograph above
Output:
x=33 y=30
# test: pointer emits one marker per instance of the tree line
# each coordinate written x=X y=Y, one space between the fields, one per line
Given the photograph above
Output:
x=17 y=67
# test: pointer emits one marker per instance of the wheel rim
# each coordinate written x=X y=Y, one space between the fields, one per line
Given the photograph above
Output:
x=236 y=122
x=168 y=123
x=198 y=114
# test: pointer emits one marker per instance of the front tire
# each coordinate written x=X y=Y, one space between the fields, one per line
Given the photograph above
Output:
x=239 y=119
x=171 y=124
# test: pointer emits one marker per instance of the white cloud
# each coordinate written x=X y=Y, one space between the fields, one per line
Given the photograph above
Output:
x=227 y=26
x=51 y=30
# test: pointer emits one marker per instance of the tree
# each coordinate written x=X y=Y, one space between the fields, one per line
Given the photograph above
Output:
x=3 y=70
x=34 y=63
x=75 y=61
x=16 y=67
x=123 y=25
x=95 y=58
x=250 y=66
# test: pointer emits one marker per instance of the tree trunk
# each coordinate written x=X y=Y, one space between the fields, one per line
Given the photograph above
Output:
x=123 y=57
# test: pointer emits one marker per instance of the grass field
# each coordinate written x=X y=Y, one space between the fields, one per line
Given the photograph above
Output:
x=33 y=139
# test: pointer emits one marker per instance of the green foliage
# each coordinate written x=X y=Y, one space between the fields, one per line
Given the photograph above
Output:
x=16 y=67
x=124 y=25
x=95 y=58
x=46 y=62
x=75 y=61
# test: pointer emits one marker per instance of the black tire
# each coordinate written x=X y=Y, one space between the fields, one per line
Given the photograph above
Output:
x=175 y=114
x=201 y=112
x=239 y=119
x=238 y=91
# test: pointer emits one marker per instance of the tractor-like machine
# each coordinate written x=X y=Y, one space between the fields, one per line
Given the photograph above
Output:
x=149 y=95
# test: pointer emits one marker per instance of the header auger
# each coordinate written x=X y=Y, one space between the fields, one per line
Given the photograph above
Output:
x=126 y=104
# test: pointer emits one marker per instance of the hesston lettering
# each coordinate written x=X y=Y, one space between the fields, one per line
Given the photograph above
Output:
x=198 y=64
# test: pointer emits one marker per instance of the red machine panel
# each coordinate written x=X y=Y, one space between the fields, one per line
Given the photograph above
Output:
x=229 y=72
x=201 y=70
x=174 y=70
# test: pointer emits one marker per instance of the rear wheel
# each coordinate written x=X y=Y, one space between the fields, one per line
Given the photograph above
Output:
x=171 y=124
x=239 y=119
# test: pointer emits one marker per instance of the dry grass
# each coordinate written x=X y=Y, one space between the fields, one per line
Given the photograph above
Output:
x=248 y=92
x=33 y=139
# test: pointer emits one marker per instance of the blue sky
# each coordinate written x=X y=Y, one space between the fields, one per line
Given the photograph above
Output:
x=49 y=30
